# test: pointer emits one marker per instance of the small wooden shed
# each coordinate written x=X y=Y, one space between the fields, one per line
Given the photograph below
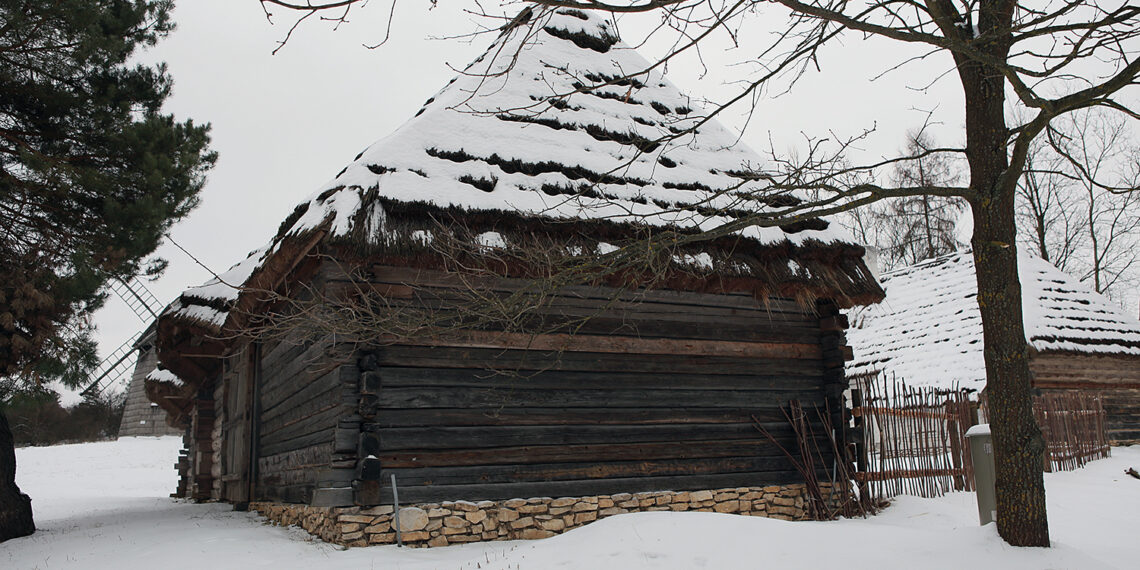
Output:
x=542 y=143
x=928 y=332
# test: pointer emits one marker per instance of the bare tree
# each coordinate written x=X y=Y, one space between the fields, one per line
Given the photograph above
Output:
x=913 y=228
x=1101 y=161
x=1048 y=214
x=1055 y=57
x=1077 y=204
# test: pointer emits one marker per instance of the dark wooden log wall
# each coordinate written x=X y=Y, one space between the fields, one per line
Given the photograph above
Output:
x=1115 y=378
x=655 y=391
x=303 y=394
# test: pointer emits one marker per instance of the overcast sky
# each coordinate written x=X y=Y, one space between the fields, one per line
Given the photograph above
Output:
x=284 y=124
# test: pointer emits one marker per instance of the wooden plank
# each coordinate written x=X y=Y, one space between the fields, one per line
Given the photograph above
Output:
x=493 y=416
x=594 y=452
x=448 y=397
x=490 y=359
x=647 y=309
x=404 y=377
x=621 y=345
x=484 y=474
x=472 y=437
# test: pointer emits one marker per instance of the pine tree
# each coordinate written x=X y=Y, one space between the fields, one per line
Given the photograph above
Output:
x=92 y=174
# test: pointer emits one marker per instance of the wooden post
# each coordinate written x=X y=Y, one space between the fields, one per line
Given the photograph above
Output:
x=860 y=447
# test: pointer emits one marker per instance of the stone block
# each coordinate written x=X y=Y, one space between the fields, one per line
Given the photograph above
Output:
x=584 y=506
x=475 y=516
x=582 y=518
x=435 y=524
x=605 y=502
x=348 y=537
x=359 y=519
x=563 y=502
x=378 y=528
x=621 y=497
x=388 y=538
x=346 y=528
x=438 y=541
x=682 y=497
x=783 y=501
x=679 y=507
x=379 y=510
x=612 y=511
x=719 y=497
x=700 y=496
x=448 y=531
x=514 y=503
x=663 y=500
x=438 y=513
x=418 y=536
x=533 y=509
x=772 y=489
x=523 y=523
x=559 y=510
x=455 y=522
x=630 y=504
x=464 y=538
x=535 y=533
x=727 y=507
x=508 y=515
x=552 y=524
x=412 y=519
x=464 y=506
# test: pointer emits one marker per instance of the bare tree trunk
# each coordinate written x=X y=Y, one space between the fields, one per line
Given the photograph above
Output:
x=1018 y=444
x=15 y=507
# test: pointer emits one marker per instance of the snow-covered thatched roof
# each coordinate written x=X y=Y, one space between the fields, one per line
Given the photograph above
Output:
x=928 y=329
x=557 y=129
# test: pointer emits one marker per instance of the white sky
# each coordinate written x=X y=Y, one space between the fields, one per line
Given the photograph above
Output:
x=284 y=124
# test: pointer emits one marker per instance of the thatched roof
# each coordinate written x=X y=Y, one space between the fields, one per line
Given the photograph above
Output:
x=545 y=135
x=928 y=330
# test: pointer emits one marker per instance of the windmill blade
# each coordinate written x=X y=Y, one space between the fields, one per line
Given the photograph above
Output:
x=118 y=363
x=138 y=297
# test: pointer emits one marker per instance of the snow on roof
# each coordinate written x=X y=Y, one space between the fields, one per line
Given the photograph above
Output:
x=163 y=375
x=524 y=129
x=928 y=330
x=545 y=124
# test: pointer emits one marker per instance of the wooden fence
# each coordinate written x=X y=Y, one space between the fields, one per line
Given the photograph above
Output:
x=1074 y=427
x=912 y=440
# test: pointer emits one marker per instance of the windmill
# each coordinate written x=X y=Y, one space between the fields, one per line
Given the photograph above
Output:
x=147 y=307
x=135 y=357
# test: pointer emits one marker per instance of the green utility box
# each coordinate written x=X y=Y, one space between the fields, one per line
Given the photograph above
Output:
x=982 y=454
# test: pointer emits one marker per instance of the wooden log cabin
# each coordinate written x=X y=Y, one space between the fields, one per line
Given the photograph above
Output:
x=628 y=382
x=928 y=332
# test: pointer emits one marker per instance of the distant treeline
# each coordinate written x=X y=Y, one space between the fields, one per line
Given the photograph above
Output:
x=37 y=418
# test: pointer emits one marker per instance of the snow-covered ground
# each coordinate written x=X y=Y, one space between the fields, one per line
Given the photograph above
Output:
x=105 y=505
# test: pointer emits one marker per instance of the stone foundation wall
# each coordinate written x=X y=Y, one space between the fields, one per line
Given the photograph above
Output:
x=440 y=524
